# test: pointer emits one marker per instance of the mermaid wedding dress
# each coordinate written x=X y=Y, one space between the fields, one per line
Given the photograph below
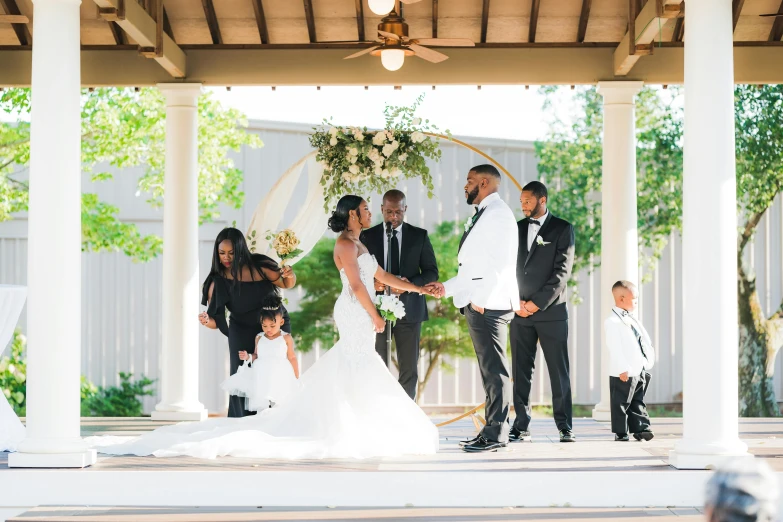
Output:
x=348 y=405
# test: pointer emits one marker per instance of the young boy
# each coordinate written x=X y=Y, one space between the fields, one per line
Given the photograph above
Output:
x=631 y=356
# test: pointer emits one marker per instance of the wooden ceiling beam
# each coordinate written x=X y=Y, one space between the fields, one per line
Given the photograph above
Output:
x=167 y=24
x=531 y=33
x=20 y=28
x=736 y=9
x=117 y=33
x=642 y=32
x=679 y=30
x=484 y=21
x=310 y=17
x=263 y=31
x=434 y=18
x=776 y=33
x=212 y=21
x=140 y=26
x=583 y=17
x=360 y=19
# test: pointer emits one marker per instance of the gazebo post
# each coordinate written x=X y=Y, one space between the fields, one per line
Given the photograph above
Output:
x=54 y=246
x=180 y=357
x=709 y=256
x=619 y=239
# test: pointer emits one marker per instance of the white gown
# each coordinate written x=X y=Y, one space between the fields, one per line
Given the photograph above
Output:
x=348 y=405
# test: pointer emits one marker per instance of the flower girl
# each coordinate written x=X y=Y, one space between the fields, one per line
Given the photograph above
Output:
x=274 y=371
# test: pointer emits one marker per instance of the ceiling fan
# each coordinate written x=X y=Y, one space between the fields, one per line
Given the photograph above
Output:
x=394 y=44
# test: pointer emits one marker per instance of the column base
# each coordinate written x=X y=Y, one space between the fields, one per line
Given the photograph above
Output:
x=53 y=460
x=708 y=455
x=179 y=416
x=602 y=413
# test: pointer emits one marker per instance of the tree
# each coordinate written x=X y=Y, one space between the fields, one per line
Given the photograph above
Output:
x=445 y=334
x=572 y=158
x=124 y=128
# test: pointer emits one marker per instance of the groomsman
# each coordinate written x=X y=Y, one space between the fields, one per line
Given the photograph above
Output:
x=485 y=290
x=412 y=259
x=544 y=262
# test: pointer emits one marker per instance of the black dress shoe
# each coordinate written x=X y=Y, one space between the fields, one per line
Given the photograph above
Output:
x=644 y=435
x=622 y=438
x=567 y=436
x=517 y=435
x=482 y=444
x=464 y=443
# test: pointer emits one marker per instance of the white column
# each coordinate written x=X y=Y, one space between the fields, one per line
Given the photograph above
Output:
x=619 y=239
x=54 y=234
x=179 y=361
x=710 y=331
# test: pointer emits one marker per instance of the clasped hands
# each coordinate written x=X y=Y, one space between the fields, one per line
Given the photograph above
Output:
x=426 y=290
x=526 y=308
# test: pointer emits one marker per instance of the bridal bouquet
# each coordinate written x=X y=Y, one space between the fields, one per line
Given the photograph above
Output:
x=361 y=161
x=390 y=307
x=285 y=244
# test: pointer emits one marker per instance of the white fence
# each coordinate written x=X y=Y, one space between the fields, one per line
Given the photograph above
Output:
x=121 y=301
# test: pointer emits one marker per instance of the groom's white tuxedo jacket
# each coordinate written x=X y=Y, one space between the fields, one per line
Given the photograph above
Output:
x=487 y=260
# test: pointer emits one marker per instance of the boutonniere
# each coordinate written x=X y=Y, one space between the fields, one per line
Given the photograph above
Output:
x=468 y=225
x=541 y=242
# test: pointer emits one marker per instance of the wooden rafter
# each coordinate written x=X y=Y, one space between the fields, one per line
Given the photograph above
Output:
x=434 y=18
x=212 y=21
x=484 y=21
x=140 y=26
x=263 y=32
x=531 y=34
x=776 y=33
x=679 y=30
x=736 y=9
x=21 y=30
x=360 y=19
x=167 y=24
x=117 y=32
x=643 y=28
x=310 y=16
x=583 y=17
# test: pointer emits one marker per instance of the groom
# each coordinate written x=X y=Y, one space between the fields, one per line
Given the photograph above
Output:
x=412 y=259
x=485 y=290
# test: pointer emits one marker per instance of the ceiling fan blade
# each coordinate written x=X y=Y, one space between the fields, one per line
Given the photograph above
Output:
x=409 y=1
x=445 y=42
x=390 y=36
x=428 y=54
x=772 y=14
x=362 y=52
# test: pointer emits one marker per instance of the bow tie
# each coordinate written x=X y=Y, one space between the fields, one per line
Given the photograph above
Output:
x=534 y=222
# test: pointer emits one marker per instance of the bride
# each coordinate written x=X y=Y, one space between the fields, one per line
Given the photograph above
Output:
x=348 y=404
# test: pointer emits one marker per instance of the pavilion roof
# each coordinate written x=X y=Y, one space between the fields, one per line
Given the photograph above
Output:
x=279 y=42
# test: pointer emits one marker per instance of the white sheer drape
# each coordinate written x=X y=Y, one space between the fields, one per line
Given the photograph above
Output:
x=11 y=303
x=309 y=224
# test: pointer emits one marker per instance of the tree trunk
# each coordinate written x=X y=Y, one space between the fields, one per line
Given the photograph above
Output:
x=760 y=338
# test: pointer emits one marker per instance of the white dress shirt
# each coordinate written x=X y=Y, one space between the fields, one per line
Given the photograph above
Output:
x=487 y=274
x=533 y=229
x=625 y=354
x=386 y=245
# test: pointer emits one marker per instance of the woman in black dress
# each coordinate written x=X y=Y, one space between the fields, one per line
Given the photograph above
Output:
x=240 y=281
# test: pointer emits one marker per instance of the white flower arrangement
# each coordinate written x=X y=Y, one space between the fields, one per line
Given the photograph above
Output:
x=355 y=165
x=390 y=307
x=541 y=242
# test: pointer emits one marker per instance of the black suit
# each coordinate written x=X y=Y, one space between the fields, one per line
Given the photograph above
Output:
x=418 y=265
x=542 y=274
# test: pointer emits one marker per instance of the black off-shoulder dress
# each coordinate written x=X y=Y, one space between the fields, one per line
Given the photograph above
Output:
x=244 y=300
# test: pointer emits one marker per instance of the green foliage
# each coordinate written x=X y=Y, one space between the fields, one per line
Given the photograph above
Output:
x=570 y=162
x=124 y=128
x=13 y=373
x=115 y=401
x=359 y=161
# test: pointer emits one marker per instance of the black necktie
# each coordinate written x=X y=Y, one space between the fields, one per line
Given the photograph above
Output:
x=395 y=254
x=533 y=222
x=635 y=332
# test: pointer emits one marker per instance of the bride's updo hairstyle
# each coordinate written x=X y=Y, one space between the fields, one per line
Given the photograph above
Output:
x=339 y=220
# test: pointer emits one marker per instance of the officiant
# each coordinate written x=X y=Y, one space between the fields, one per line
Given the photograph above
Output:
x=412 y=259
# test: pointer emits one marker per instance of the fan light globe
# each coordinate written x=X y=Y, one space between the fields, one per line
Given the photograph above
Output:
x=392 y=59
x=381 y=7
